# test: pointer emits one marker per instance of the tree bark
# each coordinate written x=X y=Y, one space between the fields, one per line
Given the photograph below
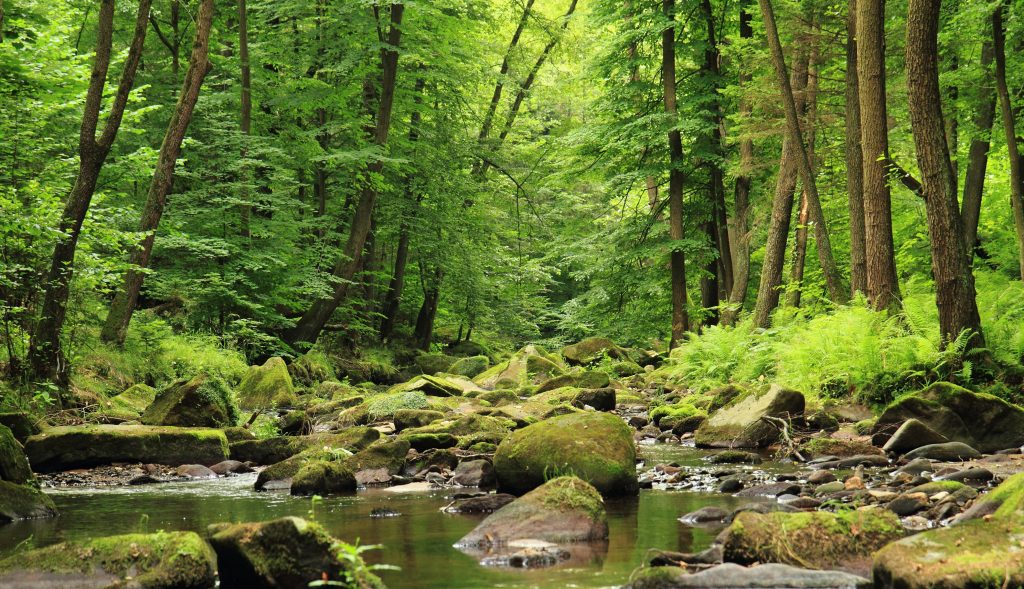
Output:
x=796 y=270
x=854 y=159
x=977 y=156
x=880 y=261
x=677 y=259
x=1014 y=140
x=246 y=122
x=424 y=330
x=116 y=326
x=951 y=268
x=46 y=358
x=311 y=323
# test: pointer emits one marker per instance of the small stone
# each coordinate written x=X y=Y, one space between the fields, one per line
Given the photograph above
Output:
x=704 y=515
x=908 y=504
x=195 y=471
x=820 y=477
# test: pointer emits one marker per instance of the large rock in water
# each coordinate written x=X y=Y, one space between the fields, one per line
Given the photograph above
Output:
x=912 y=435
x=203 y=401
x=592 y=350
x=733 y=576
x=267 y=386
x=563 y=510
x=165 y=560
x=982 y=421
x=23 y=502
x=739 y=425
x=288 y=553
x=84 y=446
x=596 y=447
x=14 y=466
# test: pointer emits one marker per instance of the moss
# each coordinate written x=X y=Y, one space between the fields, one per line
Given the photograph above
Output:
x=491 y=438
x=470 y=367
x=592 y=350
x=312 y=368
x=203 y=401
x=23 y=502
x=465 y=425
x=13 y=464
x=498 y=398
x=386 y=455
x=130 y=404
x=531 y=365
x=864 y=426
x=421 y=442
x=840 y=448
x=627 y=368
x=483 y=448
x=323 y=477
x=682 y=409
x=592 y=379
x=434 y=363
x=269 y=385
x=410 y=418
x=386 y=406
x=571 y=493
x=22 y=425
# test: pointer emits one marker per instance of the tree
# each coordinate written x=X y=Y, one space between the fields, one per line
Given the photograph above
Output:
x=45 y=356
x=246 y=118
x=1014 y=139
x=677 y=259
x=977 y=155
x=854 y=159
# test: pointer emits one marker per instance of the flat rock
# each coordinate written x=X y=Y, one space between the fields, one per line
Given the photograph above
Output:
x=947 y=452
x=734 y=576
x=82 y=446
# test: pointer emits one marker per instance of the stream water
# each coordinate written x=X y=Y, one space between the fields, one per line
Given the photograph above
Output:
x=420 y=541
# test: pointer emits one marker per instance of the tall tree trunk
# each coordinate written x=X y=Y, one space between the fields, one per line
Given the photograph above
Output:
x=424 y=330
x=116 y=326
x=45 y=355
x=977 y=156
x=796 y=270
x=1014 y=140
x=882 y=286
x=312 y=322
x=951 y=267
x=246 y=123
x=854 y=159
x=677 y=259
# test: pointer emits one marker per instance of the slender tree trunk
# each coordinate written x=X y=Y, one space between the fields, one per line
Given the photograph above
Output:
x=977 y=156
x=424 y=330
x=880 y=261
x=172 y=43
x=677 y=259
x=312 y=322
x=246 y=123
x=116 y=326
x=854 y=159
x=796 y=271
x=46 y=357
x=1014 y=140
x=951 y=267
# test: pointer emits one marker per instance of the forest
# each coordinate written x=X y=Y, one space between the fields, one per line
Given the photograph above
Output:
x=709 y=293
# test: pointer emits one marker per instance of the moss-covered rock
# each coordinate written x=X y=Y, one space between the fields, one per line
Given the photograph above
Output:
x=740 y=425
x=434 y=363
x=682 y=409
x=841 y=448
x=83 y=446
x=531 y=365
x=592 y=350
x=565 y=509
x=203 y=401
x=266 y=386
x=23 y=502
x=626 y=368
x=287 y=553
x=597 y=447
x=165 y=560
x=13 y=464
x=312 y=368
x=600 y=399
x=388 y=455
x=22 y=424
x=733 y=576
x=409 y=418
x=470 y=367
x=323 y=477
x=816 y=539
x=130 y=404
x=423 y=442
x=385 y=406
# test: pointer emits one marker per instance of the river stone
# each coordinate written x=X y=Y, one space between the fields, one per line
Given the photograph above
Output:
x=230 y=466
x=911 y=435
x=602 y=399
x=266 y=386
x=597 y=447
x=21 y=424
x=820 y=477
x=739 y=423
x=908 y=504
x=916 y=467
x=705 y=515
x=274 y=450
x=854 y=461
x=734 y=576
x=532 y=365
x=410 y=418
x=470 y=367
x=474 y=473
x=480 y=503
x=947 y=452
x=23 y=502
x=13 y=464
x=770 y=490
x=195 y=471
x=816 y=539
x=979 y=420
x=203 y=401
x=83 y=446
x=165 y=560
x=565 y=509
x=323 y=477
x=592 y=350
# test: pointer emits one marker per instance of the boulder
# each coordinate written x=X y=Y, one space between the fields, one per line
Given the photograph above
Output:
x=592 y=350
x=733 y=576
x=739 y=423
x=409 y=418
x=600 y=399
x=267 y=386
x=195 y=471
x=470 y=367
x=474 y=473
x=22 y=425
x=287 y=553
x=83 y=446
x=312 y=368
x=128 y=405
x=980 y=420
x=563 y=510
x=204 y=401
x=23 y=502
x=229 y=467
x=434 y=363
x=597 y=447
x=323 y=477
x=480 y=503
x=816 y=539
x=912 y=435
x=14 y=466
x=531 y=365
x=387 y=455
x=947 y=452
x=165 y=560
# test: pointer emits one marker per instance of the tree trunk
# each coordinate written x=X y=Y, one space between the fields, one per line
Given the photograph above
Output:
x=677 y=259
x=310 y=325
x=424 y=331
x=45 y=355
x=246 y=123
x=796 y=270
x=951 y=268
x=116 y=326
x=880 y=261
x=854 y=159
x=977 y=156
x=1013 y=140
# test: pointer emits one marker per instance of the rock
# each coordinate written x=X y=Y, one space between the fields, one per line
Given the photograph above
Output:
x=819 y=477
x=799 y=502
x=855 y=461
x=840 y=448
x=597 y=447
x=195 y=471
x=592 y=350
x=165 y=560
x=20 y=424
x=204 y=401
x=739 y=424
x=83 y=446
x=565 y=509
x=274 y=450
x=267 y=386
x=294 y=423
x=409 y=418
x=287 y=553
x=128 y=405
x=434 y=363
x=731 y=484
x=544 y=554
x=600 y=399
x=474 y=473
x=312 y=368
x=976 y=475
x=14 y=466
x=480 y=503
x=230 y=466
x=911 y=435
x=908 y=504
x=916 y=467
x=979 y=420
x=734 y=457
x=470 y=367
x=770 y=490
x=959 y=492
x=815 y=539
x=23 y=502
x=422 y=441
x=531 y=365
x=947 y=452
x=374 y=476
x=323 y=477
x=704 y=515
x=733 y=576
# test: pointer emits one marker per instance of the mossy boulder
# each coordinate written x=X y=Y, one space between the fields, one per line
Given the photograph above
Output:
x=596 y=447
x=423 y=442
x=410 y=418
x=22 y=425
x=83 y=446
x=470 y=367
x=323 y=477
x=739 y=424
x=734 y=576
x=203 y=401
x=531 y=365
x=434 y=363
x=912 y=435
x=592 y=379
x=312 y=368
x=23 y=502
x=14 y=466
x=130 y=404
x=287 y=553
x=626 y=368
x=332 y=447
x=592 y=350
x=816 y=539
x=165 y=560
x=980 y=420
x=465 y=425
x=676 y=411
x=563 y=510
x=266 y=386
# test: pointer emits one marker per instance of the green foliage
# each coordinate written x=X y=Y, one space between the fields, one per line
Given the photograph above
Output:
x=385 y=406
